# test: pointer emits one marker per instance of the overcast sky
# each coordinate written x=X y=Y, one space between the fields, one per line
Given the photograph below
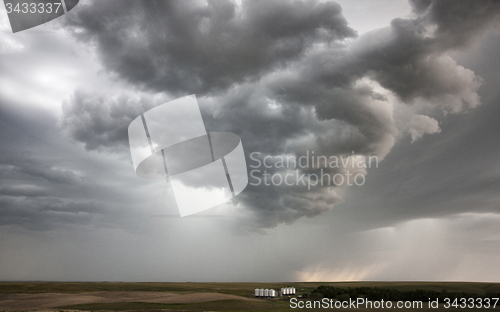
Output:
x=415 y=84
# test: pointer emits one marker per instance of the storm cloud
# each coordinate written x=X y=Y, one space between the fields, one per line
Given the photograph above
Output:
x=417 y=87
x=286 y=76
x=204 y=48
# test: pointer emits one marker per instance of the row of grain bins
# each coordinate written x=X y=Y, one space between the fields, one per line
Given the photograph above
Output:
x=272 y=293
x=265 y=293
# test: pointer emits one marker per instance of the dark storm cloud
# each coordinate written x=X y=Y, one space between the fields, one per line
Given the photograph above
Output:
x=47 y=213
x=98 y=121
x=32 y=188
x=453 y=173
x=411 y=60
x=184 y=46
x=286 y=76
x=409 y=57
x=23 y=190
x=45 y=183
x=457 y=23
x=36 y=170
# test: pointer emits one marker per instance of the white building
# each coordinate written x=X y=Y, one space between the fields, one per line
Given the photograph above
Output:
x=285 y=291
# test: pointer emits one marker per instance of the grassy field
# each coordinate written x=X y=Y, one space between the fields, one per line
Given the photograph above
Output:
x=245 y=290
x=240 y=289
x=222 y=305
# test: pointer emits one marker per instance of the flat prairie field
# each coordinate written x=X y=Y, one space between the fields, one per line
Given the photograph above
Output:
x=116 y=296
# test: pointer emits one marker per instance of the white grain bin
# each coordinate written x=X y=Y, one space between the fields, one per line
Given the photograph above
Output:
x=261 y=292
x=285 y=291
x=257 y=292
x=266 y=292
x=272 y=293
x=293 y=290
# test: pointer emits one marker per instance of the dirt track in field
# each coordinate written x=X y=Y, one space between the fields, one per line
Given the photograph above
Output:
x=52 y=300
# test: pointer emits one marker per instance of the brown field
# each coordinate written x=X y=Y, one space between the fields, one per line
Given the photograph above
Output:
x=40 y=301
